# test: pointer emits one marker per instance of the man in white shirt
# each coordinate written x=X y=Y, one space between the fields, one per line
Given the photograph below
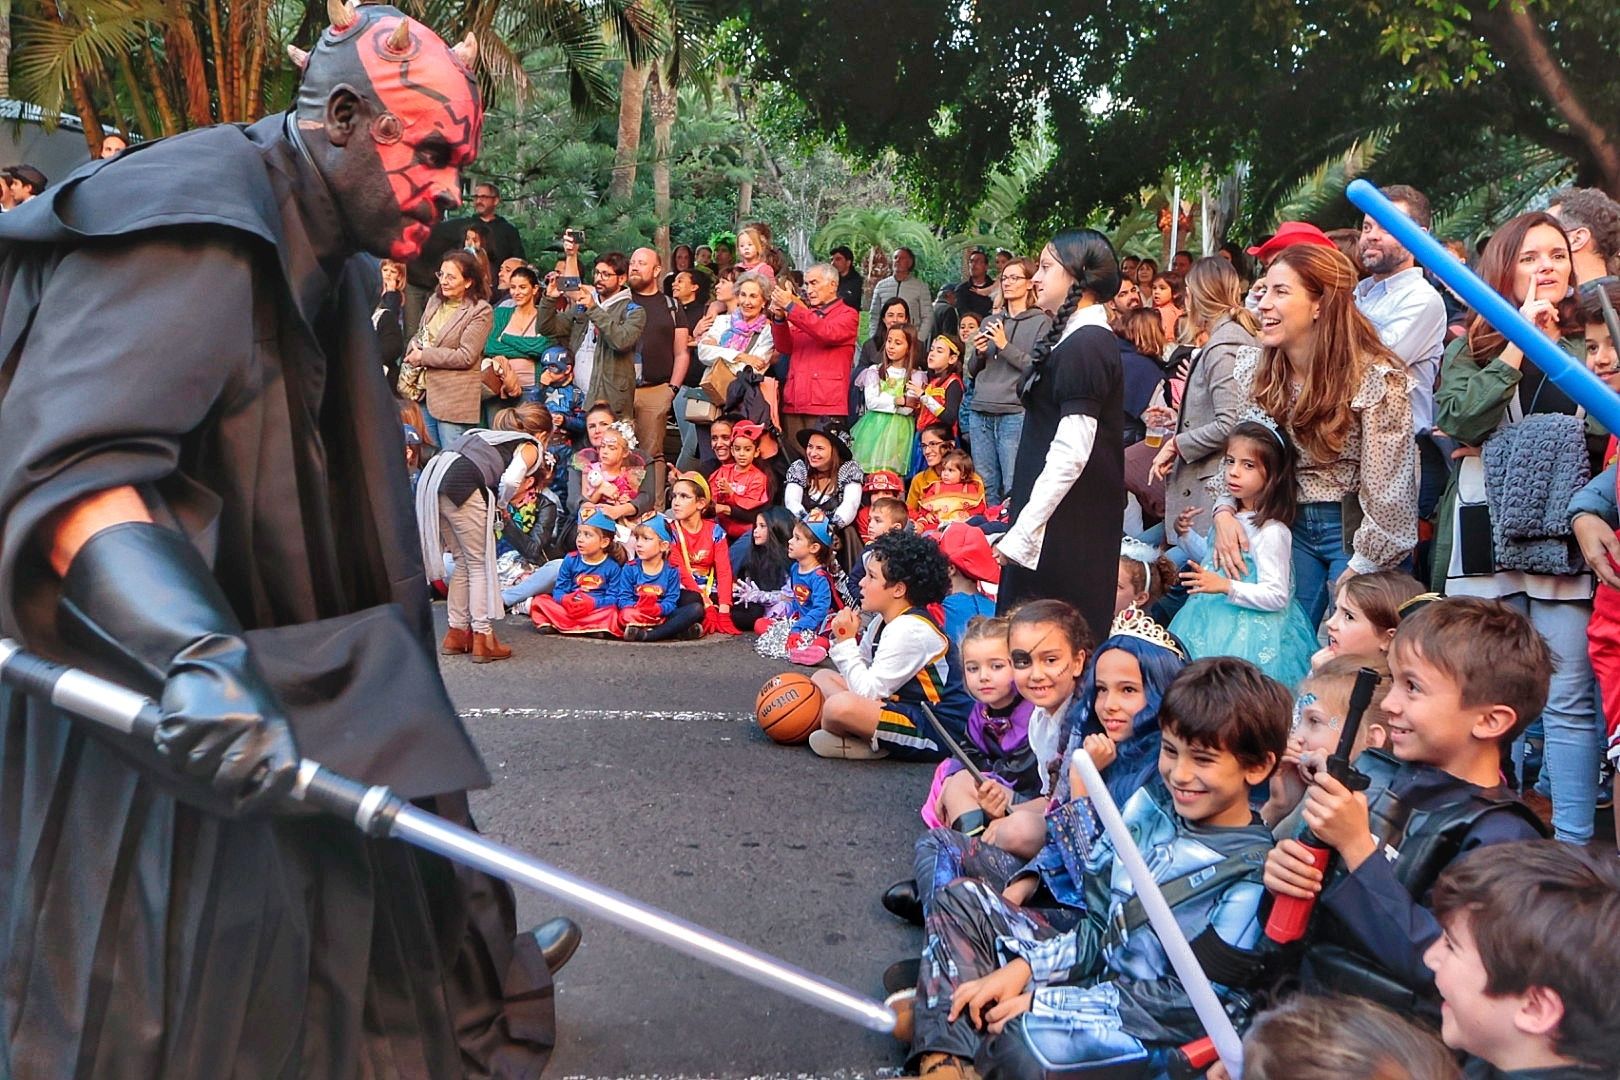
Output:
x=1410 y=317
x=913 y=290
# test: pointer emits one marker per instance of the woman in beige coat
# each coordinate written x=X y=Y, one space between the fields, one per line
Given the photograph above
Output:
x=450 y=345
x=1211 y=398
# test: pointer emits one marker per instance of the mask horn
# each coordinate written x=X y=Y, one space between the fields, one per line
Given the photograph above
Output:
x=399 y=42
x=341 y=13
x=466 y=50
x=300 y=58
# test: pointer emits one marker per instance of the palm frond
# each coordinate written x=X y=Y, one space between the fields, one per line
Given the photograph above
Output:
x=1319 y=189
x=51 y=53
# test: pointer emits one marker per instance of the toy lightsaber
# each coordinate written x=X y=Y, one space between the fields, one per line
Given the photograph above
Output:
x=952 y=745
x=1570 y=376
x=378 y=812
x=1217 y=1025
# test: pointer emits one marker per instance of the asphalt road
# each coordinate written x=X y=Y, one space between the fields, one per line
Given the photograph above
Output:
x=639 y=767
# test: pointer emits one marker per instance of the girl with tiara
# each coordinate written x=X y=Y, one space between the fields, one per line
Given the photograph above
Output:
x=1145 y=575
x=1255 y=619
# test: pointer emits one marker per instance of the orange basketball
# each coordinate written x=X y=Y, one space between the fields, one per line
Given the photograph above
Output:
x=788 y=708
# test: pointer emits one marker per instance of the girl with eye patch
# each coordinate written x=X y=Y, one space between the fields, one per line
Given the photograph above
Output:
x=1049 y=644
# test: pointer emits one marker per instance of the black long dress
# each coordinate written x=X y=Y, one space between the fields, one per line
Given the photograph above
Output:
x=185 y=319
x=1080 y=556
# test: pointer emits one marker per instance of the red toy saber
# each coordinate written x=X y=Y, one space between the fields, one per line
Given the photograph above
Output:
x=1289 y=914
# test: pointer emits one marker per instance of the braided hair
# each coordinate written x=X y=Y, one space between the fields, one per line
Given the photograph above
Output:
x=1094 y=265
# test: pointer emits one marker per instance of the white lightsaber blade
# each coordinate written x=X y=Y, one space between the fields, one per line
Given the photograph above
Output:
x=1217 y=1025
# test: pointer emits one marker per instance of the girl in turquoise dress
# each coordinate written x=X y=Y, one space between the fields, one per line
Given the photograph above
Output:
x=882 y=437
x=1256 y=618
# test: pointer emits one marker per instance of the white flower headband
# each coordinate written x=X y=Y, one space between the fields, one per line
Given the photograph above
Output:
x=627 y=432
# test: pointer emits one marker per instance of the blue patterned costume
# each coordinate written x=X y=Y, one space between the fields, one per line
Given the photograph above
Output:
x=1105 y=996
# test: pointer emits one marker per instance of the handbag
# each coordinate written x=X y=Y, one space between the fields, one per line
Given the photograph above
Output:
x=700 y=409
x=498 y=380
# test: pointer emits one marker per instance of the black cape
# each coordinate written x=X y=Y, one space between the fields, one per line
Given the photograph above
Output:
x=187 y=319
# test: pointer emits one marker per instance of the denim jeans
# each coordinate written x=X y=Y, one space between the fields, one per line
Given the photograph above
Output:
x=543 y=580
x=1319 y=556
x=688 y=457
x=448 y=431
x=1573 y=735
x=995 y=450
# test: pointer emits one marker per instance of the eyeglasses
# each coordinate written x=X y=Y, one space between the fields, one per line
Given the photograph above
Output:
x=1013 y=277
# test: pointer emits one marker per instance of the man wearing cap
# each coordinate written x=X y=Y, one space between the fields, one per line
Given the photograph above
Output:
x=23 y=182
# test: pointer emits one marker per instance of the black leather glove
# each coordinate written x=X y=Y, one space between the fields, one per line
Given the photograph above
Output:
x=140 y=596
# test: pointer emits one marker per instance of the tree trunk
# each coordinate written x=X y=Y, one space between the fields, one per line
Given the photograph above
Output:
x=186 y=57
x=5 y=48
x=1512 y=29
x=216 y=42
x=160 y=95
x=632 y=99
x=137 y=98
x=253 y=105
x=745 y=200
x=665 y=105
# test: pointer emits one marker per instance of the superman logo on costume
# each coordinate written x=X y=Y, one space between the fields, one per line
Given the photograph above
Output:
x=589 y=582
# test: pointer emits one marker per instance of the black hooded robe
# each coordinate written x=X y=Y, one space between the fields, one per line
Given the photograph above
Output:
x=185 y=319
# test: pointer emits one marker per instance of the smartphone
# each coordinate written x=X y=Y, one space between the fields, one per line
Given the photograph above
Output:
x=568 y=283
x=574 y=236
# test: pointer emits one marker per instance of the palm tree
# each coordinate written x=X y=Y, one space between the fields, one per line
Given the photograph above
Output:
x=169 y=65
x=874 y=231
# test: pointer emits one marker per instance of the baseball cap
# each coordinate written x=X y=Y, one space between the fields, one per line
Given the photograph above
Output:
x=28 y=175
x=1288 y=234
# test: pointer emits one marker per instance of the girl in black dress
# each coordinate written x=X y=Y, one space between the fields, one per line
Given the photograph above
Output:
x=1068 y=491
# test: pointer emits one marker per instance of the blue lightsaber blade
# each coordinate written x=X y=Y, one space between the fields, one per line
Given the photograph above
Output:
x=1570 y=376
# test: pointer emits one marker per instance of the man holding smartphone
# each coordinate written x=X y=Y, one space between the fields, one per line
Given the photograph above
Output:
x=602 y=328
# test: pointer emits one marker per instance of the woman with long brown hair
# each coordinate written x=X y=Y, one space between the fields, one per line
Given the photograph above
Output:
x=1224 y=330
x=1488 y=388
x=448 y=347
x=1344 y=400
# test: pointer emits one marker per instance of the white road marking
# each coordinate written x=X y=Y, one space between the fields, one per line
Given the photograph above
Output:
x=680 y=716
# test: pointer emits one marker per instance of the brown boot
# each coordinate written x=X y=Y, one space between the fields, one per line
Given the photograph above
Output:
x=485 y=648
x=456 y=641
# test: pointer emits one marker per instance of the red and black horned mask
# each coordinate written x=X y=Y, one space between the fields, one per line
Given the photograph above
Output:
x=427 y=113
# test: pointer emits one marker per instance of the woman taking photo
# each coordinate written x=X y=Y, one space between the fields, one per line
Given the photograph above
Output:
x=1492 y=394
x=515 y=341
x=449 y=346
x=1224 y=331
x=1068 y=491
x=998 y=358
x=1344 y=401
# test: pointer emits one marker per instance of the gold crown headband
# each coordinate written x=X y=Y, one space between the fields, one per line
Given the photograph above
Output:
x=1137 y=624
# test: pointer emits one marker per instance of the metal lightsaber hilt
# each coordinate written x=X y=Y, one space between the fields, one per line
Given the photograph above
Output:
x=378 y=812
x=952 y=745
x=1569 y=375
x=1217 y=1025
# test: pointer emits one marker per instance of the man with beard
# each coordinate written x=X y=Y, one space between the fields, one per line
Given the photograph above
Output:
x=1410 y=317
x=231 y=532
x=1127 y=300
x=665 y=355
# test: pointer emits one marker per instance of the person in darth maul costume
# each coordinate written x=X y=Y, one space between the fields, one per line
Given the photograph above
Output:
x=226 y=525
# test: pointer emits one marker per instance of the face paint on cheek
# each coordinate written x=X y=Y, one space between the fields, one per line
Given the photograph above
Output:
x=423 y=92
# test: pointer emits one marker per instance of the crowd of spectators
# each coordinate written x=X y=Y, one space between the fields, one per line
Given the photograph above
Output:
x=1273 y=464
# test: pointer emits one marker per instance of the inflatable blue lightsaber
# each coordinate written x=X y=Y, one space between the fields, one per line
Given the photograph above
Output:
x=1570 y=376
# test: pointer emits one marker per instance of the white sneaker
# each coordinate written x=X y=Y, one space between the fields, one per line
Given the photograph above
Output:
x=828 y=745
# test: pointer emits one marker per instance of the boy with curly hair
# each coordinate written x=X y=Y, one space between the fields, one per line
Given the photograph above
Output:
x=873 y=706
